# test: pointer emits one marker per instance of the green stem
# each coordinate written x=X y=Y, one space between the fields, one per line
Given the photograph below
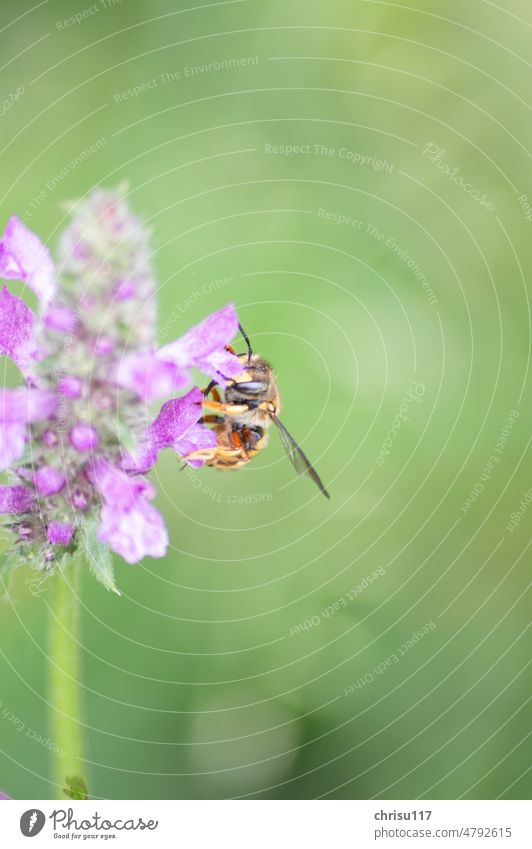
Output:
x=66 y=729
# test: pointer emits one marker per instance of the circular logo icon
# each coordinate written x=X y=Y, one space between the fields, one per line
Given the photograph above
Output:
x=32 y=822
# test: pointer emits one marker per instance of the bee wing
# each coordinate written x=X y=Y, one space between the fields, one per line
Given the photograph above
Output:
x=297 y=456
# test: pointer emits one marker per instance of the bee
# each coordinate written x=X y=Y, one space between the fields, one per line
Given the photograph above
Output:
x=242 y=418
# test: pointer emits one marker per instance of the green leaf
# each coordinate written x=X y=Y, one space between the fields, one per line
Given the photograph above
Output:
x=98 y=554
x=76 y=787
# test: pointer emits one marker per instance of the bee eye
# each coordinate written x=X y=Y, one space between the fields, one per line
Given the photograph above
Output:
x=251 y=387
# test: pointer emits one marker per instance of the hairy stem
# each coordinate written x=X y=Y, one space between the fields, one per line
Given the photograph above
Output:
x=64 y=683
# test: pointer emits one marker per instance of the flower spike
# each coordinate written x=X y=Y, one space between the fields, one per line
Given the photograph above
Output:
x=76 y=437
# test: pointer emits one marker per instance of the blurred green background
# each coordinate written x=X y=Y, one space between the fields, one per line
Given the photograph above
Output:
x=359 y=263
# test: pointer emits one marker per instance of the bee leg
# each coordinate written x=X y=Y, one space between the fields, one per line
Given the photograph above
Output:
x=238 y=445
x=211 y=390
x=225 y=409
x=209 y=455
x=205 y=454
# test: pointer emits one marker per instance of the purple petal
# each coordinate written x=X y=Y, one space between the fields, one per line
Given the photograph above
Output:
x=125 y=290
x=103 y=346
x=134 y=532
x=204 y=347
x=24 y=257
x=221 y=366
x=17 y=325
x=50 y=438
x=176 y=417
x=70 y=387
x=175 y=427
x=144 y=459
x=27 y=405
x=3 y=796
x=196 y=438
x=60 y=533
x=213 y=333
x=16 y=499
x=13 y=438
x=17 y=407
x=83 y=437
x=49 y=481
x=61 y=318
x=148 y=377
x=80 y=500
x=116 y=488
x=129 y=523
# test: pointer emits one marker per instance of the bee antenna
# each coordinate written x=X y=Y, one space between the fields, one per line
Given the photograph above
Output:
x=246 y=340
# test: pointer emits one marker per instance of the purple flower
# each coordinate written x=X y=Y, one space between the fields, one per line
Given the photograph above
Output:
x=49 y=481
x=60 y=533
x=154 y=374
x=27 y=405
x=91 y=356
x=108 y=245
x=103 y=346
x=125 y=290
x=147 y=376
x=175 y=427
x=3 y=796
x=204 y=346
x=16 y=499
x=18 y=408
x=13 y=438
x=62 y=319
x=72 y=387
x=80 y=500
x=129 y=523
x=83 y=437
x=17 y=328
x=24 y=257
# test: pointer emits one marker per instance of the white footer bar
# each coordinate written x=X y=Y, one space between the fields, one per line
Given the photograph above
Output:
x=268 y=824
